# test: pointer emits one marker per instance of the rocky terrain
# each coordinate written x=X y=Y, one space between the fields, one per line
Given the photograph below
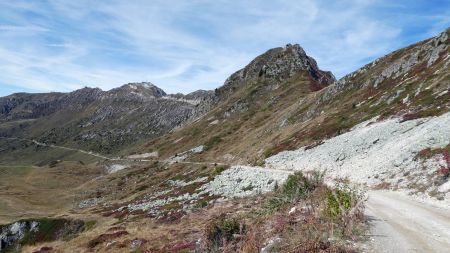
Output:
x=394 y=151
x=278 y=159
x=104 y=122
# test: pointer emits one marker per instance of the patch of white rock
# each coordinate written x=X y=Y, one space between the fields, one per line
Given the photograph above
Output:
x=241 y=181
x=115 y=168
x=371 y=153
x=374 y=151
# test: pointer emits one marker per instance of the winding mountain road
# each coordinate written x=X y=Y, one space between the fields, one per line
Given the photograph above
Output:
x=58 y=147
x=105 y=157
x=400 y=224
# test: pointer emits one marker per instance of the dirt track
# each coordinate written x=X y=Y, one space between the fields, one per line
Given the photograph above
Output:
x=400 y=224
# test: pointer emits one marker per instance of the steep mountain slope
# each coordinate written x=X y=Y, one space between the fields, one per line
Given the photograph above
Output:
x=251 y=107
x=404 y=143
x=100 y=121
x=412 y=82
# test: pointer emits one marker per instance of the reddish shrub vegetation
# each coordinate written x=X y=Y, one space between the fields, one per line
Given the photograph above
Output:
x=300 y=216
x=106 y=237
x=445 y=171
x=182 y=247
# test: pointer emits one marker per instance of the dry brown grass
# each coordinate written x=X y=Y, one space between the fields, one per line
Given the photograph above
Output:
x=31 y=192
x=306 y=227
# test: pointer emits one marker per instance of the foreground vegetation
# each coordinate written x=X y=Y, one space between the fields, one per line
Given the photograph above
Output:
x=302 y=215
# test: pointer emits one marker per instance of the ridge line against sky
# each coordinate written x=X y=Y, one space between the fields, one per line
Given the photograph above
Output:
x=182 y=46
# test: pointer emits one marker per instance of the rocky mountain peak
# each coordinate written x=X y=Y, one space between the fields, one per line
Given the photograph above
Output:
x=284 y=62
x=279 y=64
x=143 y=89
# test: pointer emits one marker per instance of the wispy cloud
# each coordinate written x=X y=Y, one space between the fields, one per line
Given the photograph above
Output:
x=182 y=46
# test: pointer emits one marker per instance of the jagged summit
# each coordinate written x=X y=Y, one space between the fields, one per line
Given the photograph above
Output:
x=284 y=62
x=278 y=64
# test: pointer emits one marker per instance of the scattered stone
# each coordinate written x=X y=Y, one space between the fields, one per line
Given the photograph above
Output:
x=235 y=182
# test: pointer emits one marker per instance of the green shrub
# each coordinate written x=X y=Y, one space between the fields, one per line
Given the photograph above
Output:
x=337 y=201
x=202 y=203
x=340 y=200
x=216 y=171
x=268 y=152
x=297 y=186
x=221 y=230
x=48 y=229
x=344 y=205
x=88 y=225
x=212 y=142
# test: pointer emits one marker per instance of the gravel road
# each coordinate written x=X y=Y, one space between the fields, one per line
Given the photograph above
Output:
x=400 y=224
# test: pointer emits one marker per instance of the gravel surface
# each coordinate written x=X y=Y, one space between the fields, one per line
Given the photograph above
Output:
x=401 y=224
x=241 y=181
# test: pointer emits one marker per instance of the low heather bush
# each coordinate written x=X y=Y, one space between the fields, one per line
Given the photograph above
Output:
x=445 y=170
x=344 y=205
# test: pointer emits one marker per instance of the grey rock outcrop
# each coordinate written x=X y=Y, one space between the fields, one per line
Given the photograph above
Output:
x=275 y=65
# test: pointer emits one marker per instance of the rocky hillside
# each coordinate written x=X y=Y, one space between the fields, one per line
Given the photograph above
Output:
x=101 y=121
x=385 y=125
x=282 y=101
x=252 y=108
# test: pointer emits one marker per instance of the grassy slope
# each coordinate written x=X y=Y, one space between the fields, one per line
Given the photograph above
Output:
x=242 y=133
x=30 y=192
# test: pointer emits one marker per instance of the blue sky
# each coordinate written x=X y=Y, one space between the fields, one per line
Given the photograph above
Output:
x=183 y=46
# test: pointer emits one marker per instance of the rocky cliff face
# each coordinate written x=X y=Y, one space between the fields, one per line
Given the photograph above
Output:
x=423 y=59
